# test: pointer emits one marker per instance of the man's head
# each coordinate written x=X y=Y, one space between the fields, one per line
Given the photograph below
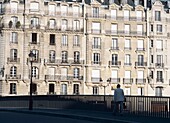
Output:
x=118 y=85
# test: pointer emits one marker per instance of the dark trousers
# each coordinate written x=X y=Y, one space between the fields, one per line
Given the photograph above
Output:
x=118 y=107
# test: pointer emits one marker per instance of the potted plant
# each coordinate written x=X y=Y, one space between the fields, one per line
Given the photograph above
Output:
x=18 y=24
x=10 y=24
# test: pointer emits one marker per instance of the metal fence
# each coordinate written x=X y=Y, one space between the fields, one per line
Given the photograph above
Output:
x=138 y=105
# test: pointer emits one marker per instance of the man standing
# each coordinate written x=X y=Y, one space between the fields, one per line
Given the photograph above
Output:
x=118 y=100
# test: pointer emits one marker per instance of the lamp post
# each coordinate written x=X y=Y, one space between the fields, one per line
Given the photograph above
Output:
x=104 y=85
x=31 y=58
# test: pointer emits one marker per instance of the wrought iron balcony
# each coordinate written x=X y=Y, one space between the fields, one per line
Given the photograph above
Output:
x=140 y=81
x=96 y=79
x=96 y=46
x=16 y=60
x=13 y=77
x=62 y=78
x=114 y=63
x=115 y=80
x=96 y=62
x=127 y=80
x=159 y=65
x=140 y=64
x=160 y=80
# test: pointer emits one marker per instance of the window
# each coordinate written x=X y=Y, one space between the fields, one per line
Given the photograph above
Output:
x=159 y=45
x=96 y=27
x=127 y=44
x=139 y=29
x=141 y=91
x=64 y=25
x=13 y=71
x=64 y=56
x=152 y=59
x=52 y=24
x=151 y=43
x=140 y=46
x=76 y=89
x=52 y=10
x=76 y=57
x=114 y=59
x=96 y=58
x=114 y=76
x=159 y=59
x=158 y=91
x=13 y=55
x=63 y=89
x=1 y=7
x=114 y=44
x=34 y=38
x=127 y=28
x=14 y=7
x=35 y=72
x=64 y=10
x=139 y=15
x=126 y=14
x=13 y=89
x=127 y=59
x=64 y=40
x=159 y=76
x=52 y=39
x=96 y=43
x=127 y=74
x=127 y=91
x=151 y=27
x=113 y=14
x=75 y=11
x=140 y=60
x=95 y=90
x=76 y=72
x=76 y=25
x=151 y=74
x=159 y=28
x=114 y=28
x=76 y=40
x=14 y=37
x=52 y=56
x=95 y=76
x=95 y=11
x=14 y=20
x=34 y=6
x=157 y=16
x=34 y=22
x=51 y=88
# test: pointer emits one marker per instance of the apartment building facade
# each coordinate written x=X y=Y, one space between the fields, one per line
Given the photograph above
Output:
x=84 y=47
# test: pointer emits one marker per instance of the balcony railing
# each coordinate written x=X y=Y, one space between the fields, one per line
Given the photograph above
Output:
x=159 y=65
x=160 y=80
x=96 y=46
x=127 y=33
x=96 y=79
x=114 y=48
x=140 y=64
x=13 y=77
x=16 y=60
x=127 y=80
x=114 y=63
x=60 y=62
x=62 y=78
x=96 y=62
x=115 y=80
x=140 y=81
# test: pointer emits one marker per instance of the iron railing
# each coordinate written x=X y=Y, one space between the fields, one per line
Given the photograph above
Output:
x=137 y=105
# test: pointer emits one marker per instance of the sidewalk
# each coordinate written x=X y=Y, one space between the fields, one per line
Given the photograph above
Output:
x=95 y=116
